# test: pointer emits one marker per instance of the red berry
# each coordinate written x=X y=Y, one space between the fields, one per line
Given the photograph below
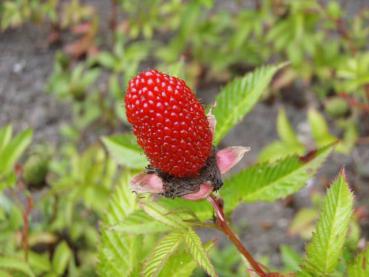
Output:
x=169 y=122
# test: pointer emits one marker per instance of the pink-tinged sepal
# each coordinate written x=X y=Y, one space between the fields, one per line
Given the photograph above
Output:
x=145 y=182
x=203 y=193
x=229 y=157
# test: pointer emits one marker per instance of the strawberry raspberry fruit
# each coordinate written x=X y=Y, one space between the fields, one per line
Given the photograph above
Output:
x=170 y=124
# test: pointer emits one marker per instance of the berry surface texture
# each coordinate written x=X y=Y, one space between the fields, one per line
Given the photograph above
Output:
x=169 y=122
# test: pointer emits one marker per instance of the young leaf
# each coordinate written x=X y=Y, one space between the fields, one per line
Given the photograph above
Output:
x=5 y=135
x=163 y=250
x=118 y=249
x=325 y=248
x=125 y=151
x=270 y=181
x=285 y=130
x=13 y=150
x=319 y=129
x=238 y=97
x=198 y=252
x=288 y=145
x=360 y=268
x=61 y=258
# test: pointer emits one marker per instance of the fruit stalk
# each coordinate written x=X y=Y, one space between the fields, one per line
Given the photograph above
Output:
x=226 y=229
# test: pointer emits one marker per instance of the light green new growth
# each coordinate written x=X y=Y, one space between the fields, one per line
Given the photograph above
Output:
x=325 y=248
x=319 y=129
x=238 y=97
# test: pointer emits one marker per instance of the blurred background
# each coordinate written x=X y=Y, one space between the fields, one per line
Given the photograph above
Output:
x=64 y=68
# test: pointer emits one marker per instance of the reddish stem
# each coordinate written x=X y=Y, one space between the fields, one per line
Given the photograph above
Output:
x=25 y=230
x=224 y=227
x=353 y=102
x=113 y=15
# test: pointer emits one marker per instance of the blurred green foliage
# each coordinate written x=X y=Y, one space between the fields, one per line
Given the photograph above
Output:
x=79 y=190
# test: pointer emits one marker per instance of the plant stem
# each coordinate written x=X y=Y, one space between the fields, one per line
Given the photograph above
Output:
x=113 y=16
x=25 y=231
x=353 y=102
x=226 y=229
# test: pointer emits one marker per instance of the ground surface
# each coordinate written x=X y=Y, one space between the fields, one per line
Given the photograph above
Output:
x=25 y=64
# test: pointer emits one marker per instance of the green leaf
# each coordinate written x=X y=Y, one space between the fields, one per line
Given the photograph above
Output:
x=325 y=248
x=15 y=264
x=202 y=209
x=164 y=216
x=319 y=129
x=139 y=222
x=125 y=151
x=61 y=258
x=106 y=59
x=160 y=254
x=285 y=130
x=238 y=97
x=303 y=223
x=13 y=150
x=279 y=149
x=5 y=135
x=271 y=181
x=39 y=262
x=360 y=267
x=291 y=259
x=198 y=252
x=117 y=250
x=179 y=264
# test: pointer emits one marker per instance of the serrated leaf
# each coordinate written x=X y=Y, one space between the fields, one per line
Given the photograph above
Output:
x=117 y=250
x=179 y=264
x=360 y=267
x=325 y=248
x=279 y=149
x=238 y=97
x=164 y=216
x=139 y=222
x=198 y=252
x=161 y=253
x=271 y=181
x=125 y=151
x=15 y=265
